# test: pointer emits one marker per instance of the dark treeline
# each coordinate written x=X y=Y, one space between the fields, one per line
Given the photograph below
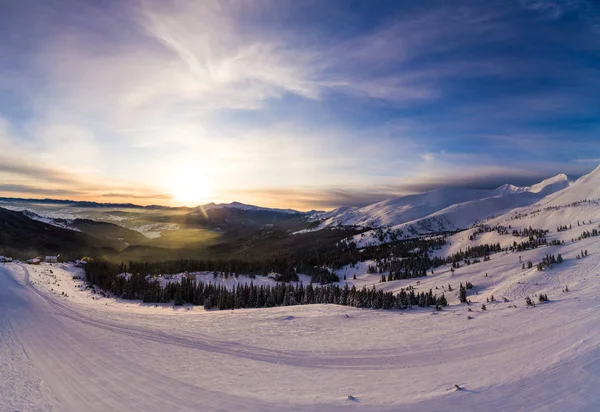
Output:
x=530 y=232
x=402 y=268
x=481 y=251
x=502 y=230
x=549 y=260
x=531 y=243
x=135 y=286
x=406 y=259
x=586 y=234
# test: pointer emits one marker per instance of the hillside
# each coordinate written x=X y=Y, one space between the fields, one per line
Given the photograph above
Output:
x=111 y=234
x=25 y=237
x=324 y=357
x=585 y=188
x=394 y=212
x=464 y=214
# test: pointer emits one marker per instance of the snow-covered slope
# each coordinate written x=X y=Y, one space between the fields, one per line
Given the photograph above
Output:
x=585 y=188
x=576 y=209
x=462 y=215
x=79 y=351
x=63 y=223
x=409 y=208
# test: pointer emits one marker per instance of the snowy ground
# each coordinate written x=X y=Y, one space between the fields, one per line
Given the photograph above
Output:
x=79 y=351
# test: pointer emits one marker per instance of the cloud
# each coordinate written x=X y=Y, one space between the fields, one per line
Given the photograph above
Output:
x=118 y=96
x=150 y=196
x=592 y=160
x=222 y=59
x=551 y=9
x=586 y=10
x=34 y=190
x=40 y=173
x=328 y=198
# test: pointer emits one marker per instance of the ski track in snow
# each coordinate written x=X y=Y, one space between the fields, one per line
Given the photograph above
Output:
x=61 y=355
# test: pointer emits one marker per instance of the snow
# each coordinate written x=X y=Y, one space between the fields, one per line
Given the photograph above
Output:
x=248 y=208
x=65 y=347
x=229 y=281
x=466 y=214
x=66 y=224
x=394 y=212
x=586 y=187
x=87 y=352
x=154 y=230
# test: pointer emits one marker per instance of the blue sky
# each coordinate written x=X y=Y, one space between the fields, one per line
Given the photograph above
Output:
x=293 y=103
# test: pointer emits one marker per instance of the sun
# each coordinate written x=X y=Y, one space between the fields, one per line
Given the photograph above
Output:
x=191 y=186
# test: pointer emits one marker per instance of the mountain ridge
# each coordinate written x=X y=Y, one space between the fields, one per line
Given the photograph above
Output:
x=409 y=208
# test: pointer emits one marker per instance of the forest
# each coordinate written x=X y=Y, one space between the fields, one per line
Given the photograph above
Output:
x=137 y=286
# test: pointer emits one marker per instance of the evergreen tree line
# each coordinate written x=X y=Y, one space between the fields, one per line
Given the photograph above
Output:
x=549 y=260
x=531 y=233
x=502 y=230
x=531 y=243
x=586 y=234
x=480 y=251
x=407 y=258
x=136 y=286
x=401 y=268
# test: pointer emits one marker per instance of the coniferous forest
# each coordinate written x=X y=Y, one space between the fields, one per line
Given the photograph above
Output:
x=212 y=296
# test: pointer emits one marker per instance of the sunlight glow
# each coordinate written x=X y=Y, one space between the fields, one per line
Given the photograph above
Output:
x=191 y=186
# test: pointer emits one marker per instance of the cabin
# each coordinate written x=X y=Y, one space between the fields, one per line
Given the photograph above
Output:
x=51 y=259
x=34 y=261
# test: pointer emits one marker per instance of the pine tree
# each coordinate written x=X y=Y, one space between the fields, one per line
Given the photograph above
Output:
x=462 y=294
x=178 y=298
x=442 y=301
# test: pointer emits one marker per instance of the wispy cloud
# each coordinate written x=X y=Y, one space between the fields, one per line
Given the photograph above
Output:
x=328 y=197
x=550 y=9
x=38 y=191
x=150 y=196
x=115 y=100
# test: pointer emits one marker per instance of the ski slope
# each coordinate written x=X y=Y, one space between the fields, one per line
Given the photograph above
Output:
x=84 y=352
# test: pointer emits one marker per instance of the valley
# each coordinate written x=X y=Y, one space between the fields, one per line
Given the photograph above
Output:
x=504 y=339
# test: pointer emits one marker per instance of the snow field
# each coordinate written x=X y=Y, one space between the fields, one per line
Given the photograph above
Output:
x=320 y=354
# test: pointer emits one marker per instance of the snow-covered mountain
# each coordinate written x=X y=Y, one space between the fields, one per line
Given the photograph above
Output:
x=448 y=207
x=586 y=187
x=248 y=208
x=577 y=204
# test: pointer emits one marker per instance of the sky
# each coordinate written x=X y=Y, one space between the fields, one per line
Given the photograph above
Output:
x=293 y=103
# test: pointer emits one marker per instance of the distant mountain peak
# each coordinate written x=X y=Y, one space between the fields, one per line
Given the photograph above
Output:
x=586 y=187
x=459 y=204
x=246 y=207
